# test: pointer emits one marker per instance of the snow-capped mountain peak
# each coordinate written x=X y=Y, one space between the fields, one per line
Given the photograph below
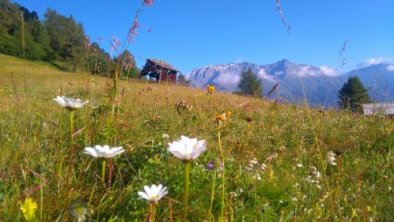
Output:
x=271 y=72
x=319 y=85
x=226 y=77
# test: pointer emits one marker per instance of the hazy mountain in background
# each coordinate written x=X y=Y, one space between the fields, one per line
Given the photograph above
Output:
x=378 y=79
x=319 y=85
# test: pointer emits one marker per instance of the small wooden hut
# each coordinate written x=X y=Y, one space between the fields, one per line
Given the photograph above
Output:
x=159 y=70
x=385 y=109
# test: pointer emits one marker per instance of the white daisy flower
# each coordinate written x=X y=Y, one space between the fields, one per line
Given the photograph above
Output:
x=187 y=148
x=70 y=103
x=153 y=193
x=105 y=151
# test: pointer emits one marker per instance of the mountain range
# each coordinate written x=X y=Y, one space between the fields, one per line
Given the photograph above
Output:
x=297 y=82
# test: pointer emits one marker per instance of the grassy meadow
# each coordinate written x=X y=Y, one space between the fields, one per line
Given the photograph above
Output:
x=267 y=161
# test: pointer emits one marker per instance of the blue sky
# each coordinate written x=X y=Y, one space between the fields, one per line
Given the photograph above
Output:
x=191 y=34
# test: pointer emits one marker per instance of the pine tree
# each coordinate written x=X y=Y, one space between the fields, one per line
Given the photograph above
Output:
x=182 y=80
x=250 y=84
x=352 y=95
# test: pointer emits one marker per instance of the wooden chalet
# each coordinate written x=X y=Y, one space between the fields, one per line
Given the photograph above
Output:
x=159 y=70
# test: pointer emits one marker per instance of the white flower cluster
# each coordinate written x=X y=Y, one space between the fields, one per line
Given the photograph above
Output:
x=331 y=160
x=298 y=195
x=323 y=199
x=314 y=176
x=252 y=164
x=257 y=176
x=182 y=106
x=314 y=172
x=272 y=157
x=263 y=167
x=255 y=168
x=233 y=195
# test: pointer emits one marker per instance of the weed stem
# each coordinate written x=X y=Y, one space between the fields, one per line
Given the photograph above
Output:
x=186 y=193
x=72 y=127
x=152 y=211
x=104 y=163
x=223 y=176
x=212 y=196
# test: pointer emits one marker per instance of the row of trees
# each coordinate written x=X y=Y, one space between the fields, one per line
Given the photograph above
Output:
x=351 y=96
x=57 y=39
x=22 y=34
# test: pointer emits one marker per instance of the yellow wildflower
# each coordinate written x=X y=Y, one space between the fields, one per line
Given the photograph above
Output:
x=211 y=89
x=354 y=213
x=271 y=175
x=29 y=208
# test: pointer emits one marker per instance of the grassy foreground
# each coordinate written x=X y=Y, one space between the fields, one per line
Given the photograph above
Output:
x=275 y=156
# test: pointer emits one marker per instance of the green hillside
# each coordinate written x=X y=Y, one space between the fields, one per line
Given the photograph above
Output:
x=9 y=64
x=264 y=162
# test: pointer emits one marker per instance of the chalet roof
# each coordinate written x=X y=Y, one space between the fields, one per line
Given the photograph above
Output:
x=378 y=108
x=163 y=64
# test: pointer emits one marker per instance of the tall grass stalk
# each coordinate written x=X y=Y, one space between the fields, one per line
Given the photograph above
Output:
x=223 y=206
x=110 y=167
x=170 y=210
x=114 y=90
x=72 y=149
x=213 y=186
x=72 y=130
x=186 y=191
x=41 y=199
x=103 y=166
x=23 y=35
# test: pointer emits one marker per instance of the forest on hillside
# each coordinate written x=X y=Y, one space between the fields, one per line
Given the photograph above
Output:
x=57 y=39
